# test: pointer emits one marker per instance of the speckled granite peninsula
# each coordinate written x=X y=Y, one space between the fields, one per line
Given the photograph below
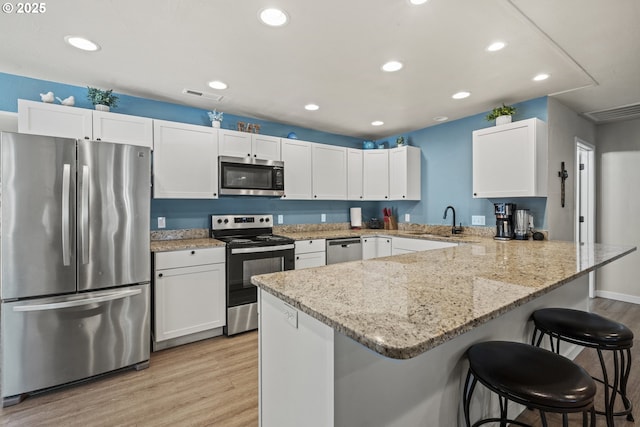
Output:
x=382 y=342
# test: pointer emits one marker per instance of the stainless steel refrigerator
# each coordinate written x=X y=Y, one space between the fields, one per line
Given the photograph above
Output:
x=74 y=260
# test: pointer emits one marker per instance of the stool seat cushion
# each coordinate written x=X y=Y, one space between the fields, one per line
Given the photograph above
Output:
x=531 y=374
x=583 y=326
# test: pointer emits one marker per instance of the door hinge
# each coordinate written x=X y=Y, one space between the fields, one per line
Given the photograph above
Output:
x=581 y=166
x=581 y=218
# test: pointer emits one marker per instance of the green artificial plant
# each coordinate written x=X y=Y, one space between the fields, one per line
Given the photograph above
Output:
x=504 y=110
x=102 y=97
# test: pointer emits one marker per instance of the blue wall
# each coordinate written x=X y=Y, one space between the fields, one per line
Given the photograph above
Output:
x=446 y=163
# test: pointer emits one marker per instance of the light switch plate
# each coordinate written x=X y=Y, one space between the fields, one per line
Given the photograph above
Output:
x=477 y=220
x=323 y=217
x=162 y=222
x=407 y=217
x=280 y=219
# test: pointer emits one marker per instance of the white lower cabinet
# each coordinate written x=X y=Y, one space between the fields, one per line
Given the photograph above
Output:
x=375 y=247
x=403 y=245
x=310 y=253
x=189 y=292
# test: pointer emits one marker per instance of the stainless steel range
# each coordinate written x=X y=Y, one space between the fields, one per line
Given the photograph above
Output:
x=252 y=249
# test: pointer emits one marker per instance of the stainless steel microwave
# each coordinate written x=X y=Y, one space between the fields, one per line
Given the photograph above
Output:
x=250 y=176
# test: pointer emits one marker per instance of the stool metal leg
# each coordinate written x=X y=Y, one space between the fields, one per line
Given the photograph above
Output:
x=468 y=391
x=543 y=418
x=625 y=356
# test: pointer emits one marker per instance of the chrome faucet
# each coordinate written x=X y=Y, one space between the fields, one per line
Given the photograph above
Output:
x=454 y=229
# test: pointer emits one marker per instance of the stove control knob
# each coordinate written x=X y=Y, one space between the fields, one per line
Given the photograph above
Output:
x=261 y=219
x=267 y=219
x=226 y=221
x=219 y=221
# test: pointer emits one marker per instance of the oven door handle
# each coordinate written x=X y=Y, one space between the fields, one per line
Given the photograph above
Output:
x=259 y=249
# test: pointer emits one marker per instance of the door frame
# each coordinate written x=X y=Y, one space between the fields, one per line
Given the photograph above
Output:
x=590 y=149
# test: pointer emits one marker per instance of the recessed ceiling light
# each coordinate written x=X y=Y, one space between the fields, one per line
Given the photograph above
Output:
x=461 y=95
x=273 y=17
x=418 y=2
x=494 y=47
x=392 y=66
x=311 y=107
x=217 y=84
x=377 y=123
x=541 y=77
x=440 y=118
x=82 y=43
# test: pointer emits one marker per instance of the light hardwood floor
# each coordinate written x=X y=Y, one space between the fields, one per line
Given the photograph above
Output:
x=215 y=383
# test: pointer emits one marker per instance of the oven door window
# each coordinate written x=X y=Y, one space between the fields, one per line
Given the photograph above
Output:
x=238 y=176
x=242 y=266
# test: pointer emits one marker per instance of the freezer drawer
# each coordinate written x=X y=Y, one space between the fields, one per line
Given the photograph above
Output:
x=52 y=341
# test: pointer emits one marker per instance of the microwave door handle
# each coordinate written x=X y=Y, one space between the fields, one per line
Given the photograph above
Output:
x=84 y=214
x=79 y=302
x=66 y=226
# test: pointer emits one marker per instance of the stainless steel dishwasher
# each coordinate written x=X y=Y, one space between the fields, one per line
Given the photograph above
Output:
x=343 y=250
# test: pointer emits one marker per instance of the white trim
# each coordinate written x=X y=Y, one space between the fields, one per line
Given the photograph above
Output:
x=633 y=299
x=590 y=150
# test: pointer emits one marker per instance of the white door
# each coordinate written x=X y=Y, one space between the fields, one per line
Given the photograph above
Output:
x=329 y=166
x=585 y=200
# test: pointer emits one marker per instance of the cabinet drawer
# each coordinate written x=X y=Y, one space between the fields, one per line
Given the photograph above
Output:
x=189 y=258
x=306 y=246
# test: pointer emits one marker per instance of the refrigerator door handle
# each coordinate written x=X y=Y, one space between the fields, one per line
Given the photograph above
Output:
x=78 y=303
x=84 y=215
x=66 y=190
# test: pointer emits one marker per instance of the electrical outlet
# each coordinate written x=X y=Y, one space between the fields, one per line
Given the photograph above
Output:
x=407 y=217
x=162 y=222
x=477 y=220
x=323 y=217
x=280 y=219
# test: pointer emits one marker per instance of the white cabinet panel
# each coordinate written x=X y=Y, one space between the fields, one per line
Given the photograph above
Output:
x=511 y=160
x=243 y=144
x=122 y=129
x=329 y=171
x=310 y=253
x=185 y=161
x=404 y=173
x=265 y=147
x=376 y=174
x=354 y=174
x=296 y=155
x=189 y=299
x=376 y=247
x=54 y=120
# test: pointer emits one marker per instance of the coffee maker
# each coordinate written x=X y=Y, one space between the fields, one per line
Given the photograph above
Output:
x=504 y=220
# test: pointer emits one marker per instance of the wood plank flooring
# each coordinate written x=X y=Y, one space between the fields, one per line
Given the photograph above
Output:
x=215 y=383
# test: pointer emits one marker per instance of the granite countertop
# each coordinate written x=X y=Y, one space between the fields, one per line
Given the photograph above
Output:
x=337 y=234
x=404 y=305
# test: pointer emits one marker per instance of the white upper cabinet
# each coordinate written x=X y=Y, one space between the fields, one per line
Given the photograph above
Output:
x=329 y=172
x=54 y=120
x=511 y=160
x=404 y=173
x=122 y=128
x=375 y=174
x=243 y=144
x=296 y=155
x=81 y=123
x=185 y=161
x=354 y=174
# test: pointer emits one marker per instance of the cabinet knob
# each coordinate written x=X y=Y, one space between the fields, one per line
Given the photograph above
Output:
x=193 y=252
x=361 y=197
x=310 y=241
x=248 y=154
x=98 y=139
x=403 y=196
x=215 y=194
x=86 y=137
x=315 y=196
x=386 y=197
x=475 y=194
x=160 y=275
x=284 y=195
x=255 y=155
x=297 y=257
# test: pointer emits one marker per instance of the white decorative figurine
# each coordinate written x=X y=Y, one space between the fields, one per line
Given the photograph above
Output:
x=70 y=101
x=47 y=97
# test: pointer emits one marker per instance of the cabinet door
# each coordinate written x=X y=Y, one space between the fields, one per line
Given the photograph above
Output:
x=296 y=156
x=329 y=171
x=234 y=143
x=54 y=120
x=265 y=147
x=189 y=300
x=404 y=173
x=122 y=129
x=354 y=174
x=311 y=259
x=185 y=161
x=369 y=247
x=384 y=246
x=376 y=174
x=510 y=160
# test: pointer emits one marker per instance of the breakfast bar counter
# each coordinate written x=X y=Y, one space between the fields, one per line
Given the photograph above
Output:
x=382 y=341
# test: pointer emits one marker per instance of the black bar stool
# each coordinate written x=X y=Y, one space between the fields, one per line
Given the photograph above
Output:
x=593 y=331
x=531 y=376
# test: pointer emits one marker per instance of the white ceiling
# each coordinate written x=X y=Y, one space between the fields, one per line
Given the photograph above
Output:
x=330 y=54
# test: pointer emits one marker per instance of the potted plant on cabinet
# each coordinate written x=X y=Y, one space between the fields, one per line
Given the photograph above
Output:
x=502 y=115
x=103 y=100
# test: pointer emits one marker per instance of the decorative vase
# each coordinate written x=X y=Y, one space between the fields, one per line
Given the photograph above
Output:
x=503 y=120
x=101 y=107
x=215 y=124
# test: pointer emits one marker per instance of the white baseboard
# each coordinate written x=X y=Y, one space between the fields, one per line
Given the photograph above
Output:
x=618 y=296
